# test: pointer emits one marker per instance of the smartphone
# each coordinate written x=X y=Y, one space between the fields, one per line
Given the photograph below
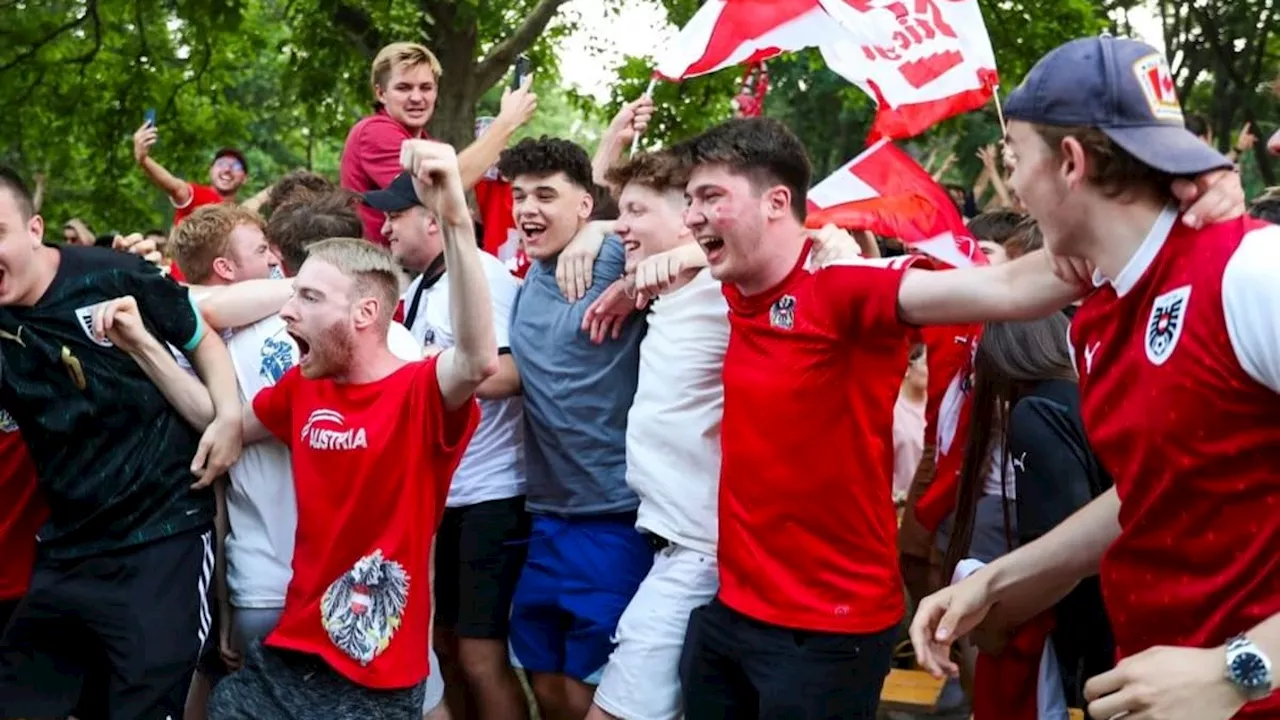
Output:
x=150 y=117
x=519 y=72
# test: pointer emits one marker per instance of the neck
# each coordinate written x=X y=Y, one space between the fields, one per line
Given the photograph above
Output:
x=370 y=362
x=779 y=252
x=45 y=269
x=1113 y=233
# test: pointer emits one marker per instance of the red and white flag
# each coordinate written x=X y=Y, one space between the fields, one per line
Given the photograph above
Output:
x=883 y=190
x=921 y=60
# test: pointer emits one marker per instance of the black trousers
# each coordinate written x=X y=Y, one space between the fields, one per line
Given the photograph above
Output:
x=738 y=668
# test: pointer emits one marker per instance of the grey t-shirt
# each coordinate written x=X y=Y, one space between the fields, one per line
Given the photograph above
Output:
x=576 y=393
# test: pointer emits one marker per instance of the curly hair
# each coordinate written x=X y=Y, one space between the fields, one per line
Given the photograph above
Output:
x=659 y=171
x=763 y=149
x=547 y=156
x=297 y=186
x=205 y=236
x=297 y=226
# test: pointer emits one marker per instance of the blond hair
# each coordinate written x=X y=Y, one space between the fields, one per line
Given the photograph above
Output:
x=205 y=236
x=400 y=54
x=374 y=271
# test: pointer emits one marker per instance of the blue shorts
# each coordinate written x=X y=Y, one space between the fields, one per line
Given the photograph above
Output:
x=578 y=578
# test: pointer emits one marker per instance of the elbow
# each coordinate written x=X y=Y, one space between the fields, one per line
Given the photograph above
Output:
x=479 y=369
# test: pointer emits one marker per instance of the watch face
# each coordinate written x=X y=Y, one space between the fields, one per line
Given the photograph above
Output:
x=1250 y=671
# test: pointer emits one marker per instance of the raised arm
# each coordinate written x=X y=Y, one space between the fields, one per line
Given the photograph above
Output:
x=516 y=109
x=1024 y=289
x=474 y=358
x=176 y=188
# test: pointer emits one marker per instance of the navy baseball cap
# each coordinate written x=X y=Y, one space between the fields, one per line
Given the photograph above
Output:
x=1122 y=87
x=396 y=197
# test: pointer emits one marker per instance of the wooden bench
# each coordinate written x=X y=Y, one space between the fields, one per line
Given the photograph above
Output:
x=910 y=691
x=1075 y=714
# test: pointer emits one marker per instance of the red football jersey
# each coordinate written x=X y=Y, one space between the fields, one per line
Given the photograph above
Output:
x=21 y=514
x=808 y=533
x=1179 y=361
x=372 y=465
x=201 y=195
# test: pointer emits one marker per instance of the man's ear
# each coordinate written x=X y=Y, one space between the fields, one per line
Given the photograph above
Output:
x=1073 y=161
x=366 y=312
x=223 y=269
x=35 y=227
x=586 y=206
x=777 y=201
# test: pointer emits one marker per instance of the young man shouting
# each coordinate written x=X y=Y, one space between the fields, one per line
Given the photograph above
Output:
x=810 y=598
x=352 y=640
x=1179 y=360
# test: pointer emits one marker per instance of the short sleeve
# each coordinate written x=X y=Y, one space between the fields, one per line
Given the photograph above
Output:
x=1251 y=304
x=448 y=431
x=273 y=406
x=166 y=307
x=201 y=195
x=1050 y=465
x=861 y=295
x=503 y=289
x=379 y=150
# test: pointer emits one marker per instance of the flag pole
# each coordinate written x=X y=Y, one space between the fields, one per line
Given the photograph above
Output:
x=648 y=92
x=995 y=94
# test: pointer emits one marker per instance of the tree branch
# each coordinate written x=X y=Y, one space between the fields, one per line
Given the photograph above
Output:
x=490 y=69
x=356 y=24
x=31 y=52
x=84 y=60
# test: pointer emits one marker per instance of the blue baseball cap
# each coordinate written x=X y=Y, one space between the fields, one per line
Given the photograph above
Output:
x=1122 y=87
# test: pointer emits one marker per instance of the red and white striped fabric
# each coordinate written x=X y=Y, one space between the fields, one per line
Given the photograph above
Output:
x=921 y=60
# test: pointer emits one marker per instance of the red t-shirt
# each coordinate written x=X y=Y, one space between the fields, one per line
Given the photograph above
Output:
x=808 y=532
x=370 y=161
x=372 y=465
x=1179 y=367
x=22 y=511
x=201 y=195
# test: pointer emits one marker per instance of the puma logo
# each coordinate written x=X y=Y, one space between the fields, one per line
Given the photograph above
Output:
x=1089 y=352
x=1020 y=463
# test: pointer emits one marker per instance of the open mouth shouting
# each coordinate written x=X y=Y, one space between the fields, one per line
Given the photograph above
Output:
x=713 y=246
x=533 y=231
x=304 y=347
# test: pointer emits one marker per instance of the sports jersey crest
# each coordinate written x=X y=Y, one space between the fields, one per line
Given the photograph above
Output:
x=1164 y=327
x=783 y=313
x=7 y=424
x=84 y=318
x=277 y=358
x=363 y=609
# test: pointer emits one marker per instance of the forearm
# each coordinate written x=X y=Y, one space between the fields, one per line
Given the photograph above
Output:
x=607 y=154
x=212 y=361
x=184 y=392
x=1266 y=635
x=176 y=188
x=1036 y=576
x=256 y=202
x=244 y=303
x=504 y=383
x=480 y=155
x=1023 y=289
x=476 y=347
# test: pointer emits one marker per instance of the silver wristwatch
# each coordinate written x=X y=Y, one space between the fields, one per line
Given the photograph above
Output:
x=1248 y=668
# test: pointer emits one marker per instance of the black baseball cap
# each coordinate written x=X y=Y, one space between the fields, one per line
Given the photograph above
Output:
x=1122 y=87
x=396 y=197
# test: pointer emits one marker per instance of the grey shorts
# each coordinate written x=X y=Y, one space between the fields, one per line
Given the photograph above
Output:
x=284 y=685
x=249 y=625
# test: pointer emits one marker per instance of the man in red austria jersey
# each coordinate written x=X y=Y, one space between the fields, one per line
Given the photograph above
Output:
x=1179 y=359
x=352 y=640
x=21 y=515
x=810 y=594
x=405 y=79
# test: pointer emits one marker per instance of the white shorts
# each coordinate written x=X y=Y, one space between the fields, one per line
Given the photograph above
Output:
x=435 y=685
x=642 y=679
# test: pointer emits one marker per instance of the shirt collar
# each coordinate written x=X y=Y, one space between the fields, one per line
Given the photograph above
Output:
x=1145 y=255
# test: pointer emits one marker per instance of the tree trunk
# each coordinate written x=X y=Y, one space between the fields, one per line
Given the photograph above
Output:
x=455 y=115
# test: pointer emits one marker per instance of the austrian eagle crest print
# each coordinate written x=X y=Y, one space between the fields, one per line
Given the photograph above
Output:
x=363 y=609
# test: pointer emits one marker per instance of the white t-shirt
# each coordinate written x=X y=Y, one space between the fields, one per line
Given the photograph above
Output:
x=673 y=428
x=493 y=466
x=261 y=506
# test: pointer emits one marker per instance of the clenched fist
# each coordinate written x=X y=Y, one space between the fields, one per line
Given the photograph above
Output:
x=436 y=179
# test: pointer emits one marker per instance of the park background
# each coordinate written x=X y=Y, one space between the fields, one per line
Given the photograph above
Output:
x=285 y=79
